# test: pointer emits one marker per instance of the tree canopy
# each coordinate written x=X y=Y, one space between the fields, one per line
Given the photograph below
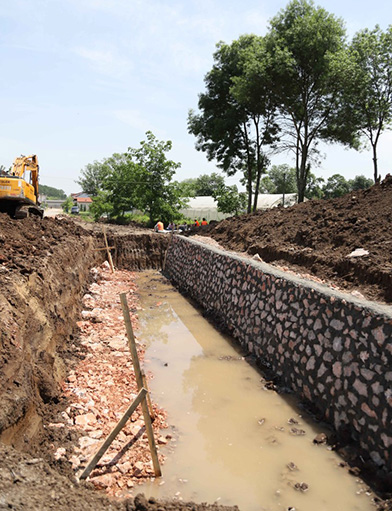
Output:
x=51 y=192
x=232 y=127
x=368 y=94
x=203 y=186
x=141 y=179
x=303 y=38
x=298 y=85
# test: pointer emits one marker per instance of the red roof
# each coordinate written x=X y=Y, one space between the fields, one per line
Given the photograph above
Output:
x=83 y=199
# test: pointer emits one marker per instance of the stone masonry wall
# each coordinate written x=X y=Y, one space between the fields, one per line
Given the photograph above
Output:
x=331 y=349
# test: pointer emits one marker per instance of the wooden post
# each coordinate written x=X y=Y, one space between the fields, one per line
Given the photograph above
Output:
x=107 y=250
x=152 y=414
x=112 y=435
x=139 y=380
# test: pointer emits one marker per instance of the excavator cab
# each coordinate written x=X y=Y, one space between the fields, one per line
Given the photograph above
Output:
x=19 y=191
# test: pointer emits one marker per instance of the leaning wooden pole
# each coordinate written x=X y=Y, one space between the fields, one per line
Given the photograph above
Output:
x=112 y=435
x=107 y=250
x=139 y=380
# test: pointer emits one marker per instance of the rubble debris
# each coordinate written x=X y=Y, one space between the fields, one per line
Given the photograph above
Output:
x=103 y=385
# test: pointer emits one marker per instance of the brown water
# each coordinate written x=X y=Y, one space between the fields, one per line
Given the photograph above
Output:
x=232 y=439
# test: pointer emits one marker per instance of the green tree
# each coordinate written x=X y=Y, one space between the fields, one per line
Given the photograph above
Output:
x=233 y=126
x=139 y=179
x=91 y=177
x=67 y=204
x=207 y=184
x=314 y=187
x=280 y=179
x=202 y=186
x=229 y=200
x=51 y=192
x=360 y=183
x=118 y=183
x=154 y=191
x=303 y=38
x=188 y=187
x=369 y=93
x=336 y=186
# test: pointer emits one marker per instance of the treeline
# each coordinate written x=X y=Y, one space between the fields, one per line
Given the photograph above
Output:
x=300 y=84
x=138 y=179
x=282 y=179
x=52 y=193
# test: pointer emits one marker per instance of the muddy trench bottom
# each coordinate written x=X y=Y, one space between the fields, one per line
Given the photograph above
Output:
x=234 y=441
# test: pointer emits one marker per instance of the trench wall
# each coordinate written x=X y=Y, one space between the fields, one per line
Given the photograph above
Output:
x=330 y=349
x=139 y=251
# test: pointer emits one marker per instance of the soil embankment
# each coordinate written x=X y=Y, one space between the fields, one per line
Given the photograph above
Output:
x=44 y=359
x=316 y=239
x=44 y=272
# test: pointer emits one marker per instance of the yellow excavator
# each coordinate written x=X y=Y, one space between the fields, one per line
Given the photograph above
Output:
x=19 y=188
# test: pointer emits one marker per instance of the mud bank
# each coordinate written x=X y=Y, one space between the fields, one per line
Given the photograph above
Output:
x=42 y=279
x=333 y=350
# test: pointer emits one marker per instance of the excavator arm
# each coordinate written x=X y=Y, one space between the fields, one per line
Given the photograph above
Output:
x=30 y=163
x=17 y=195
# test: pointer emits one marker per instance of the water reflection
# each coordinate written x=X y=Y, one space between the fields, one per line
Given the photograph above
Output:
x=237 y=442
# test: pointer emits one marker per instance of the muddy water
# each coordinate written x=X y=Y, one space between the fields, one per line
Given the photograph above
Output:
x=234 y=442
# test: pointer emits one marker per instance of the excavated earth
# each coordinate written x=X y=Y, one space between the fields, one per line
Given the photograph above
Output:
x=45 y=270
x=51 y=386
x=316 y=238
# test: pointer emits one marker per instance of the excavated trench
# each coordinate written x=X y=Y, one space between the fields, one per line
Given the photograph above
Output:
x=40 y=302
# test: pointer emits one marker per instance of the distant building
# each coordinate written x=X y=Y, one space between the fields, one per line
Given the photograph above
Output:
x=206 y=207
x=82 y=200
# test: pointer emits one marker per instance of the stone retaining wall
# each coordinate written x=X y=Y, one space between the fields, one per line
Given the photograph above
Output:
x=331 y=349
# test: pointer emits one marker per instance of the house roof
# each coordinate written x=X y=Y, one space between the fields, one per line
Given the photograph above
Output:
x=83 y=200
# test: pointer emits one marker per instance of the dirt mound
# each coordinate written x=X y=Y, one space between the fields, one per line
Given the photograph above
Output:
x=317 y=237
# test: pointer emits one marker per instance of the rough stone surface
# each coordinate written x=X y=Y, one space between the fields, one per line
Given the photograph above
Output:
x=333 y=350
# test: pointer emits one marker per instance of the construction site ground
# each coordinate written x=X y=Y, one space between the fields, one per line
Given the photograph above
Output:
x=53 y=410
x=319 y=240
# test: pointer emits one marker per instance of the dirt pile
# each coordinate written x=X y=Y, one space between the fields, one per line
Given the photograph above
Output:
x=317 y=238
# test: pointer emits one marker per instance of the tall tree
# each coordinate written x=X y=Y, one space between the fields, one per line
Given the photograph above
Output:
x=360 y=183
x=303 y=38
x=369 y=98
x=155 y=193
x=280 y=179
x=231 y=126
x=336 y=186
x=91 y=176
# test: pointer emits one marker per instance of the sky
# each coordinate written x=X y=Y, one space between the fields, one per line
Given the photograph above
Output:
x=83 y=79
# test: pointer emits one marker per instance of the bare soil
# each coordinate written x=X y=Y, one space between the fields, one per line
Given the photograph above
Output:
x=316 y=239
x=50 y=388
x=45 y=271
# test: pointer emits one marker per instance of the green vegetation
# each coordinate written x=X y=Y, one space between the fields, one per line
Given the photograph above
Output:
x=236 y=122
x=203 y=186
x=140 y=179
x=300 y=84
x=282 y=179
x=229 y=200
x=67 y=204
x=51 y=193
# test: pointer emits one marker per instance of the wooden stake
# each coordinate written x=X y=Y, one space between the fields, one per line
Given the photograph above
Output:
x=107 y=250
x=152 y=414
x=139 y=380
x=140 y=398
